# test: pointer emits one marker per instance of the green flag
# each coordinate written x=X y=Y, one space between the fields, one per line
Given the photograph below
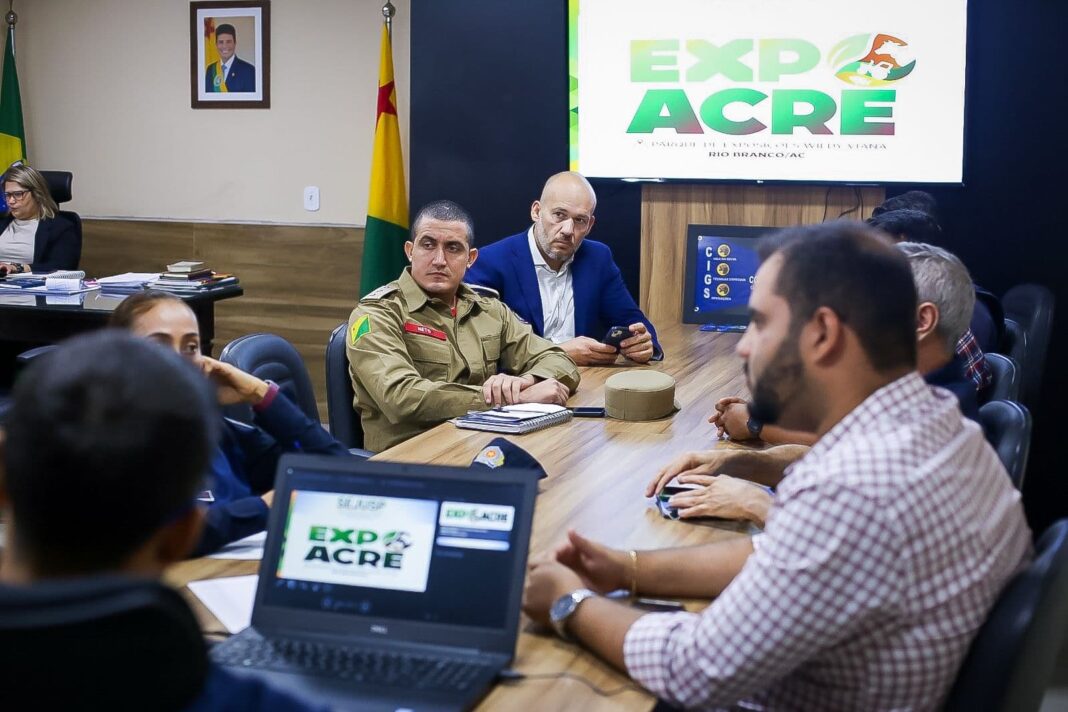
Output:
x=12 y=134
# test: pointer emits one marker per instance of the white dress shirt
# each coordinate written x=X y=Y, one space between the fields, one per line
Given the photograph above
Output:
x=557 y=295
x=885 y=548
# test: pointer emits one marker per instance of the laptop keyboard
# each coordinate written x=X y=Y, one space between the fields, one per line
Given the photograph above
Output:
x=358 y=665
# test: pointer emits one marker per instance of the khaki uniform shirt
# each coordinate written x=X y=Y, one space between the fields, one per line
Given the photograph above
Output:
x=414 y=365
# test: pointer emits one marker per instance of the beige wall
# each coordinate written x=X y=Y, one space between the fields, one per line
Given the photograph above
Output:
x=105 y=94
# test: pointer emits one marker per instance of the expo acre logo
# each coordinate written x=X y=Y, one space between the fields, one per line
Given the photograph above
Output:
x=866 y=62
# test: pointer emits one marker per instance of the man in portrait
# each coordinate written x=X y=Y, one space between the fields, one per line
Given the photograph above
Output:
x=229 y=73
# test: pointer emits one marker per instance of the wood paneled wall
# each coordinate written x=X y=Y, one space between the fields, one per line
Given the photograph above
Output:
x=667 y=211
x=300 y=282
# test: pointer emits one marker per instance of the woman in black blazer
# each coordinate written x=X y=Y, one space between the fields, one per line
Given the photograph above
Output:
x=32 y=236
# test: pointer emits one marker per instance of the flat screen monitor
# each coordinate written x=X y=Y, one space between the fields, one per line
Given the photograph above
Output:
x=721 y=261
x=814 y=91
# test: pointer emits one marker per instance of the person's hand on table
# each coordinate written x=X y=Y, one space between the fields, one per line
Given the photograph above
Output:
x=7 y=268
x=268 y=497
x=732 y=418
x=549 y=390
x=698 y=462
x=502 y=389
x=547 y=580
x=585 y=351
x=599 y=567
x=721 y=405
x=639 y=347
x=232 y=385
x=722 y=496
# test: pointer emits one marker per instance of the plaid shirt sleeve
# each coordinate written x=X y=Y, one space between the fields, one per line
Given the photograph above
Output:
x=975 y=364
x=828 y=563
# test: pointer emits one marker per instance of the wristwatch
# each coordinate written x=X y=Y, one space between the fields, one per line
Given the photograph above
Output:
x=754 y=426
x=566 y=605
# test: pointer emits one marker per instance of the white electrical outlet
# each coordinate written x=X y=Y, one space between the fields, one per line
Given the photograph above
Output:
x=311 y=198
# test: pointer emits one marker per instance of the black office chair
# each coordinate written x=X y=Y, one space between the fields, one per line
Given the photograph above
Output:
x=1014 y=343
x=59 y=185
x=1031 y=305
x=1005 y=381
x=271 y=357
x=102 y=643
x=1011 y=659
x=1007 y=426
x=345 y=423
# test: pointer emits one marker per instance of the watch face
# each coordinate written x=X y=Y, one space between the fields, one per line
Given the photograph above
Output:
x=562 y=607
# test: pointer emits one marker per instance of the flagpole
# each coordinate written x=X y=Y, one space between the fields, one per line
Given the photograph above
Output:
x=12 y=18
x=388 y=11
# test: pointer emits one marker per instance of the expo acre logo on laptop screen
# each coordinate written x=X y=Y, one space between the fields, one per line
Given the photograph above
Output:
x=375 y=542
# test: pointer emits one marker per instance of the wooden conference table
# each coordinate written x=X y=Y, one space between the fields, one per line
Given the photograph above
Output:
x=597 y=473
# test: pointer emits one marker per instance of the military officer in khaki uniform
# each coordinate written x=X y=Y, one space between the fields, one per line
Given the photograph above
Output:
x=427 y=348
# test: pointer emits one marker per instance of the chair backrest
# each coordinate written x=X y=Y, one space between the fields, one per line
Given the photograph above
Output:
x=104 y=643
x=1007 y=426
x=1005 y=379
x=271 y=357
x=345 y=423
x=1011 y=659
x=59 y=185
x=24 y=358
x=1014 y=343
x=1031 y=305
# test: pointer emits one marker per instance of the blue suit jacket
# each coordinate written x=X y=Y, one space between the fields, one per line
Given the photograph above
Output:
x=240 y=78
x=601 y=297
x=243 y=467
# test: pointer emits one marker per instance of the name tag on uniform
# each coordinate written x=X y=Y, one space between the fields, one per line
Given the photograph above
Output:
x=413 y=328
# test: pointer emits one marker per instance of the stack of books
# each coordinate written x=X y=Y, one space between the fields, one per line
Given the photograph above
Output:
x=190 y=277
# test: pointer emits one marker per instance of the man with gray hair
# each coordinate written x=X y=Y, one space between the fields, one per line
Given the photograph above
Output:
x=946 y=302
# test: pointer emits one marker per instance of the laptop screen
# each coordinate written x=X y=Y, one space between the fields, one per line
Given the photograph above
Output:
x=420 y=549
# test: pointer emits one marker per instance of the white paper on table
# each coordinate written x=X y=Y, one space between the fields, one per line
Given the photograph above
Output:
x=129 y=278
x=229 y=599
x=248 y=549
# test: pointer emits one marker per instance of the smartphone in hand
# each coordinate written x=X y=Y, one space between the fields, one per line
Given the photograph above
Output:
x=616 y=335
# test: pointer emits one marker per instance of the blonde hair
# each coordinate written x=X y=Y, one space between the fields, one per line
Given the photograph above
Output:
x=31 y=179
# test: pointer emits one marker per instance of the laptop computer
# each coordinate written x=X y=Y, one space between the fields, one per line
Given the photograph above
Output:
x=388 y=586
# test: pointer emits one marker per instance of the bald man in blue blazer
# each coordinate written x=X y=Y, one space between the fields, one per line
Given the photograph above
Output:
x=568 y=288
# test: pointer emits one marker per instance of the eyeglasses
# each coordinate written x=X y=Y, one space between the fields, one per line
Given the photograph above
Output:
x=15 y=194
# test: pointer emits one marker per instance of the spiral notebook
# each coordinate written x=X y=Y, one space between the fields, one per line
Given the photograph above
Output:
x=514 y=419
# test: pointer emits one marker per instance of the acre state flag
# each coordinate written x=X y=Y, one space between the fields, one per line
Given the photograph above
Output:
x=387 y=209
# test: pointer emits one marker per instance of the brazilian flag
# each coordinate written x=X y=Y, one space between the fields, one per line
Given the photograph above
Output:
x=12 y=133
x=387 y=209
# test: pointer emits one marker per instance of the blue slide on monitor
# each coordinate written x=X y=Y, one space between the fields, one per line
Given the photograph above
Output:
x=721 y=261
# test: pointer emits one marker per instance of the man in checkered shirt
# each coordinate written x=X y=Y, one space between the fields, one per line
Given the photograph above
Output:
x=887 y=544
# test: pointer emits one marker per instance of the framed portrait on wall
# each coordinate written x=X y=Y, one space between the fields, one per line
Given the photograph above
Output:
x=230 y=54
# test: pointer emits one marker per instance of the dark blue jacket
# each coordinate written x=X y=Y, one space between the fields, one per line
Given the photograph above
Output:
x=55 y=245
x=226 y=692
x=601 y=297
x=953 y=377
x=988 y=320
x=240 y=78
x=243 y=467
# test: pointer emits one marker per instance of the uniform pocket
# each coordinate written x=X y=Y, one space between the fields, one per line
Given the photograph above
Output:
x=491 y=349
x=431 y=356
